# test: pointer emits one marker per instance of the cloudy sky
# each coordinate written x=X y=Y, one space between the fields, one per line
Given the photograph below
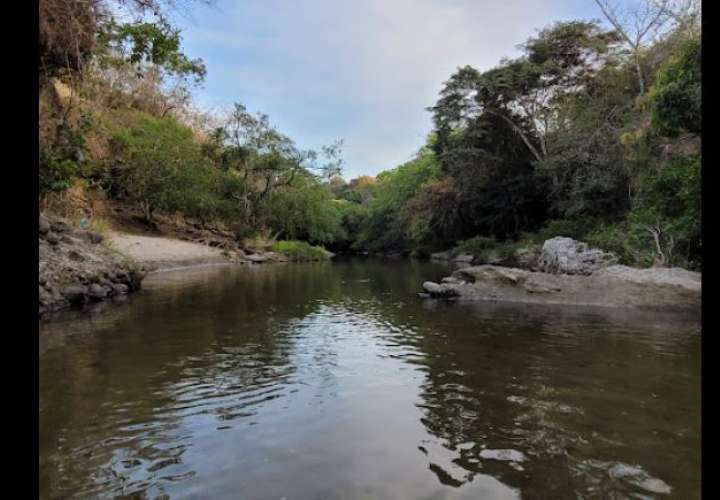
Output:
x=359 y=70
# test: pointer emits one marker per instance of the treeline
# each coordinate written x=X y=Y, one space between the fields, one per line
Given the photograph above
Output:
x=584 y=135
x=591 y=133
x=116 y=116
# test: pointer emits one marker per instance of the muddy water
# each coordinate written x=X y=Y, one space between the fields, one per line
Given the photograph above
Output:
x=335 y=381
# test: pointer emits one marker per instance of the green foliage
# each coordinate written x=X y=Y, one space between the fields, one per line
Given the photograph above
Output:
x=301 y=211
x=576 y=228
x=386 y=225
x=487 y=250
x=664 y=225
x=63 y=159
x=156 y=164
x=669 y=202
x=552 y=143
x=300 y=251
x=677 y=94
x=149 y=43
x=476 y=245
x=352 y=218
x=627 y=241
x=56 y=172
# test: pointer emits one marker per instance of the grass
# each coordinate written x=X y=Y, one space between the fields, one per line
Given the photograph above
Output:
x=259 y=241
x=99 y=225
x=300 y=251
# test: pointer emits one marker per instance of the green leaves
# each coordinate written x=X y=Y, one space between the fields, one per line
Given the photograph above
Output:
x=146 y=43
x=156 y=164
x=677 y=93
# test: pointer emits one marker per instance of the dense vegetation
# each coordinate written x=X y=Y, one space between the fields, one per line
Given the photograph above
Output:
x=583 y=135
x=590 y=133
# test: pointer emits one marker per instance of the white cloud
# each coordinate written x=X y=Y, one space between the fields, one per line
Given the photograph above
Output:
x=361 y=70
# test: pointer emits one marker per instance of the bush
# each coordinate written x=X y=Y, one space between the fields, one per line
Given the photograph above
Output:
x=300 y=251
x=61 y=161
x=487 y=249
x=667 y=211
x=576 y=229
x=56 y=172
x=476 y=245
x=677 y=95
x=623 y=239
x=303 y=210
x=156 y=163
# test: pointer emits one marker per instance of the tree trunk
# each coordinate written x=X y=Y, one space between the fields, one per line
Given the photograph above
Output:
x=638 y=68
x=147 y=209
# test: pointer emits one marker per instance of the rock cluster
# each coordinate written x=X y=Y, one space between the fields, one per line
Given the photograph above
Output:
x=616 y=286
x=568 y=256
x=75 y=268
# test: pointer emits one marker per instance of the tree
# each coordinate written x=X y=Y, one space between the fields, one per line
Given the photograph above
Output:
x=637 y=25
x=522 y=92
x=149 y=44
x=676 y=97
x=67 y=34
x=267 y=159
x=155 y=164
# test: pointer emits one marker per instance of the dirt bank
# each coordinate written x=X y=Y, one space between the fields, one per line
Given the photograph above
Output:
x=157 y=253
x=80 y=267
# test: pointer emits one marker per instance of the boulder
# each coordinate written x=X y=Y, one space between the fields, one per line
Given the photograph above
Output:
x=439 y=290
x=61 y=227
x=464 y=257
x=563 y=255
x=52 y=238
x=44 y=225
x=257 y=257
x=441 y=256
x=74 y=293
x=98 y=292
x=120 y=288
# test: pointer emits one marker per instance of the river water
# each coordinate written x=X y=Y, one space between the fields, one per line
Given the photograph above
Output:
x=335 y=381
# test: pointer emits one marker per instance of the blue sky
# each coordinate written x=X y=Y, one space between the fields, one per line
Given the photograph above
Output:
x=362 y=71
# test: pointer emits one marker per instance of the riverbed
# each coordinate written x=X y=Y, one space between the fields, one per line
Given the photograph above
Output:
x=336 y=381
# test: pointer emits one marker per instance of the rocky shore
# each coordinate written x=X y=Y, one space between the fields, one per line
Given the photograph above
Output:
x=570 y=273
x=77 y=267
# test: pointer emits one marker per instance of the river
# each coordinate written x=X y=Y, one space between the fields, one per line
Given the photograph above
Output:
x=336 y=381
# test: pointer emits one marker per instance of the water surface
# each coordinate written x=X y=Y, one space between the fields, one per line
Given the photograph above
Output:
x=335 y=381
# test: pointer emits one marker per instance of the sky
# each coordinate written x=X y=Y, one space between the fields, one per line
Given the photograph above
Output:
x=363 y=71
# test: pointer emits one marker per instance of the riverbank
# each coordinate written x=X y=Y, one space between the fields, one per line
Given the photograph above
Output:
x=80 y=267
x=158 y=253
x=613 y=286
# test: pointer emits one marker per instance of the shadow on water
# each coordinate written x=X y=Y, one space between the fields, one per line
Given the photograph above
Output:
x=335 y=380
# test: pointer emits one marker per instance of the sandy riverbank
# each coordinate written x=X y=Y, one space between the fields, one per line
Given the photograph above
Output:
x=158 y=253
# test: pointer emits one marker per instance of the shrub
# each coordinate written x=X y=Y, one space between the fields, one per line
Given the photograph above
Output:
x=61 y=160
x=156 y=164
x=677 y=96
x=303 y=210
x=300 y=251
x=576 y=228
x=487 y=249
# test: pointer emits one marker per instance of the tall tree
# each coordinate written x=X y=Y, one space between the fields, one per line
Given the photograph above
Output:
x=637 y=25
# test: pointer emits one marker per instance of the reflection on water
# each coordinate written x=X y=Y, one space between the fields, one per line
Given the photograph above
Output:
x=335 y=381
